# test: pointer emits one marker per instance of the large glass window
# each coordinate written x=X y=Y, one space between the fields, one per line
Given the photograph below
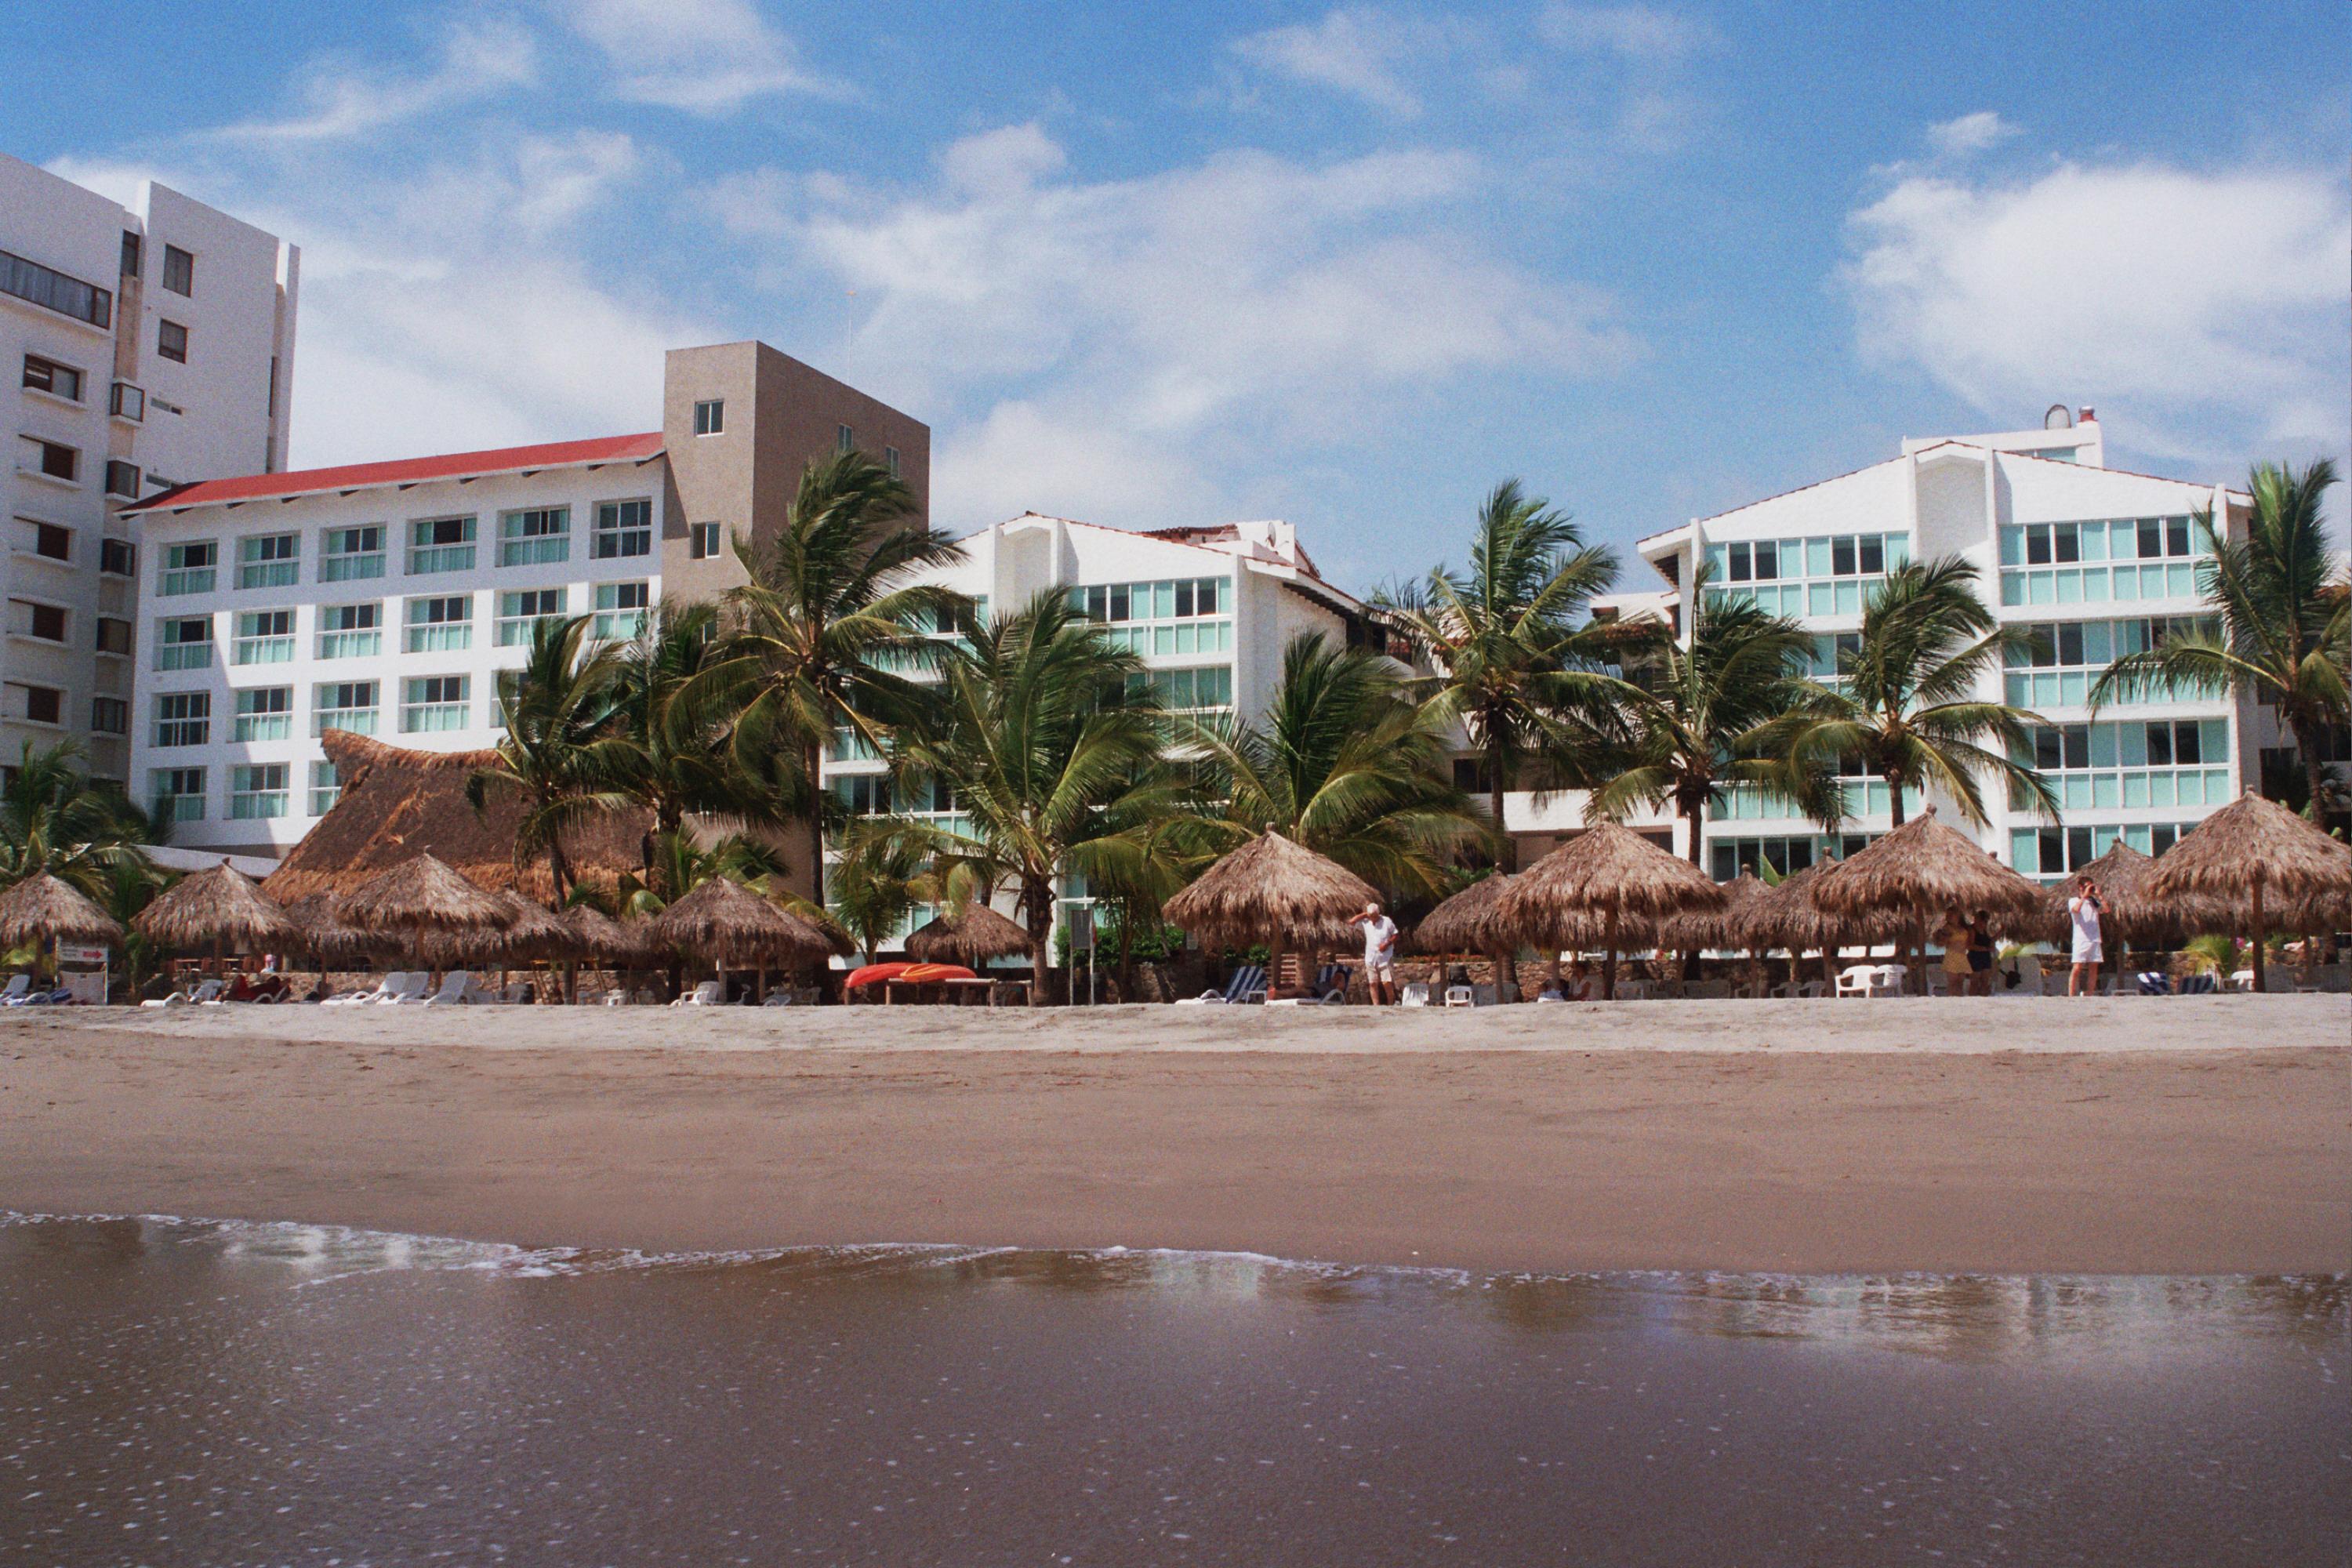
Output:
x=620 y=609
x=1727 y=857
x=264 y=713
x=2133 y=763
x=441 y=624
x=256 y=790
x=430 y=702
x=264 y=636
x=518 y=612
x=2054 y=664
x=54 y=291
x=184 y=642
x=1172 y=616
x=350 y=631
x=189 y=567
x=325 y=787
x=343 y=705
x=178 y=794
x=1812 y=574
x=268 y=560
x=539 y=537
x=440 y=544
x=348 y=553
x=183 y=718
x=623 y=529
x=1194 y=691
x=2102 y=562
x=2050 y=853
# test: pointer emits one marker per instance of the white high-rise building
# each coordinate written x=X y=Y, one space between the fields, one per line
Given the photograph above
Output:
x=153 y=346
x=2094 y=562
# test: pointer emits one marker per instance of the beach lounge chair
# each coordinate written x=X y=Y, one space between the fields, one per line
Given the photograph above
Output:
x=1415 y=994
x=709 y=994
x=458 y=989
x=352 y=998
x=781 y=997
x=19 y=986
x=1248 y=984
x=207 y=993
x=409 y=991
x=2030 y=979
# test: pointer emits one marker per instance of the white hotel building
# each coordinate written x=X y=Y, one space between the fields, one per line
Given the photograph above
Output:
x=153 y=345
x=2094 y=561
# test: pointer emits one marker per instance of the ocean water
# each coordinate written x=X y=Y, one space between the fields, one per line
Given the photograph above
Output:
x=188 y=1393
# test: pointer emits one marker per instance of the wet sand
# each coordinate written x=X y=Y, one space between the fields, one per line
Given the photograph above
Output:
x=2193 y=1136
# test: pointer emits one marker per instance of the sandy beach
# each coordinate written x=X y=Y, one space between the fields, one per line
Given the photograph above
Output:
x=2193 y=1135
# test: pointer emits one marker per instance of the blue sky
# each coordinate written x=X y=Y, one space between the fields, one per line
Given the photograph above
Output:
x=1146 y=265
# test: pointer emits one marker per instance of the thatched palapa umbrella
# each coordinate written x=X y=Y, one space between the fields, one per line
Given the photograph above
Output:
x=1607 y=877
x=1463 y=924
x=1915 y=873
x=624 y=944
x=219 y=907
x=2122 y=874
x=1721 y=926
x=971 y=937
x=2254 y=858
x=318 y=932
x=732 y=927
x=1270 y=889
x=40 y=908
x=418 y=895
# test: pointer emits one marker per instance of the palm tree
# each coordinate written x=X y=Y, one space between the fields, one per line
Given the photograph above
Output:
x=564 y=752
x=1049 y=742
x=2285 y=609
x=54 y=818
x=1517 y=663
x=1695 y=715
x=679 y=762
x=1344 y=763
x=1903 y=703
x=817 y=639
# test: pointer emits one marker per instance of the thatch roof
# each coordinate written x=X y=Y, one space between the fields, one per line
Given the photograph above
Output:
x=727 y=923
x=1718 y=927
x=41 y=906
x=397 y=803
x=630 y=944
x=2250 y=841
x=1569 y=897
x=1271 y=884
x=971 y=937
x=219 y=906
x=1459 y=924
x=2122 y=877
x=421 y=894
x=1918 y=872
x=317 y=931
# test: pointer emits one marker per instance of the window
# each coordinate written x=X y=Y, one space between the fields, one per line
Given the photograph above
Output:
x=171 y=341
x=46 y=622
x=47 y=376
x=441 y=625
x=844 y=440
x=441 y=544
x=1726 y=858
x=624 y=528
x=326 y=788
x=2054 y=664
x=53 y=290
x=702 y=541
x=113 y=635
x=890 y=460
x=520 y=612
x=184 y=642
x=1193 y=609
x=620 y=609
x=188 y=568
x=51 y=459
x=121 y=478
x=117 y=556
x=264 y=636
x=110 y=716
x=267 y=559
x=183 y=718
x=1193 y=691
x=179 y=793
x=347 y=554
x=127 y=402
x=179 y=271
x=2101 y=560
x=711 y=418
x=863 y=794
x=256 y=790
x=2133 y=764
x=350 y=631
x=263 y=713
x=51 y=541
x=535 y=538
x=134 y=249
x=433 y=703
x=42 y=705
x=343 y=705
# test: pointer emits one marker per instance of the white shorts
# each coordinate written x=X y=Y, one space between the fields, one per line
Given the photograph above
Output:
x=2090 y=953
x=1377 y=971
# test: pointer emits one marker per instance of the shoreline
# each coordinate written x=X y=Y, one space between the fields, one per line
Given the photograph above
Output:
x=2120 y=1138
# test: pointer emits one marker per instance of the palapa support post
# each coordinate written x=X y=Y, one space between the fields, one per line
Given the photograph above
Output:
x=2258 y=929
x=1609 y=956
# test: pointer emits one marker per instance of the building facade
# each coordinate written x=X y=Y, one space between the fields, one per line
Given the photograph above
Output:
x=153 y=346
x=385 y=598
x=2091 y=563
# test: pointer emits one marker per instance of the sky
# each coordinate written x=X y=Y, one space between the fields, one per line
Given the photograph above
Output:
x=1182 y=263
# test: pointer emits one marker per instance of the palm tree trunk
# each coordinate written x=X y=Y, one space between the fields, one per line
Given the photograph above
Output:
x=1507 y=861
x=1037 y=905
x=1695 y=816
x=1609 y=957
x=2258 y=931
x=2314 y=772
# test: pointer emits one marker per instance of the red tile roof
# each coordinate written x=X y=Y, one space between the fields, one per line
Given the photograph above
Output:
x=407 y=470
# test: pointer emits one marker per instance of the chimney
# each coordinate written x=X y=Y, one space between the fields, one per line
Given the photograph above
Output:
x=2089 y=415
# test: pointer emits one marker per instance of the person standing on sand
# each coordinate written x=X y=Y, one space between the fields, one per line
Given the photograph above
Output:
x=1979 y=955
x=2085 y=910
x=1380 y=954
x=1954 y=938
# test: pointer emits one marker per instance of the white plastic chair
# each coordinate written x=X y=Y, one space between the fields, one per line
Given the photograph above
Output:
x=1461 y=996
x=709 y=994
x=1415 y=994
x=405 y=989
x=18 y=986
x=1871 y=980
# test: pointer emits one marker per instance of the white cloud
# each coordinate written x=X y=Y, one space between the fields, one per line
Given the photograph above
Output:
x=2207 y=311
x=1640 y=33
x=1358 y=51
x=478 y=59
x=1970 y=134
x=706 y=57
x=1109 y=343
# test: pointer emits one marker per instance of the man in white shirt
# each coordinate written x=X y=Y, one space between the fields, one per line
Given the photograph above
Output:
x=2084 y=909
x=1380 y=954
